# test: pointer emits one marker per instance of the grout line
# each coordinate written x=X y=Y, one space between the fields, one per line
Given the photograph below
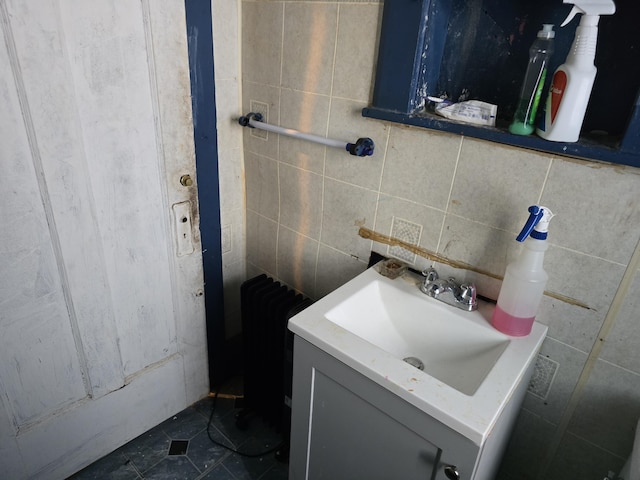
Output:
x=605 y=329
x=324 y=158
x=446 y=208
x=544 y=182
x=384 y=161
x=596 y=446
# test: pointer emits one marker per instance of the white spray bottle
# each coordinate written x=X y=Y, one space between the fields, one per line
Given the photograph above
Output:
x=572 y=82
x=525 y=279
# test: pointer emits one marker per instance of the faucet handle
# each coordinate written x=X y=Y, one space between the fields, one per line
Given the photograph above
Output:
x=430 y=274
x=429 y=286
x=468 y=295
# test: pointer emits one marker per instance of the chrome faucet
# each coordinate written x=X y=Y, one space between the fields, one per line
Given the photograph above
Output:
x=449 y=291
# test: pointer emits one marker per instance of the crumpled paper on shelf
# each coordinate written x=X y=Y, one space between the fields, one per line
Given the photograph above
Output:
x=469 y=111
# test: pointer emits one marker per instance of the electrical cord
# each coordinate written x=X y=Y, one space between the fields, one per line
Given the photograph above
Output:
x=227 y=447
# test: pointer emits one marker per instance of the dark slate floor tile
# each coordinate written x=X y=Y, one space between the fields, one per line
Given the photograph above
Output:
x=173 y=468
x=219 y=473
x=251 y=468
x=147 y=449
x=243 y=468
x=255 y=427
x=115 y=466
x=184 y=425
x=204 y=453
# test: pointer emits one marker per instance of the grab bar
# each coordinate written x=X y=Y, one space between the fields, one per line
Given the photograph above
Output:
x=361 y=148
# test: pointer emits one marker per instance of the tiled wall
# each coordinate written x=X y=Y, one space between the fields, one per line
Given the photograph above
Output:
x=311 y=64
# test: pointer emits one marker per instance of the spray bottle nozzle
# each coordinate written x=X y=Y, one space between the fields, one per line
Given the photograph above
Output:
x=537 y=224
x=589 y=8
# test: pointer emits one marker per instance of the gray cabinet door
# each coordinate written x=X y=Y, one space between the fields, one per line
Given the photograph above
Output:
x=353 y=439
x=345 y=426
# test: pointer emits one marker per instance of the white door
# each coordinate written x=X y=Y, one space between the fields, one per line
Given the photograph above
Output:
x=102 y=326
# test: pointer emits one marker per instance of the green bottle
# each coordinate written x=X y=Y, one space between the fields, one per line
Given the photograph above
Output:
x=539 y=54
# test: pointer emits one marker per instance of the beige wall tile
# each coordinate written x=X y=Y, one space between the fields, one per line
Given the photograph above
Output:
x=262 y=42
x=577 y=458
x=346 y=208
x=572 y=274
x=356 y=51
x=300 y=200
x=597 y=208
x=262 y=235
x=297 y=257
x=262 y=186
x=337 y=268
x=309 y=44
x=622 y=346
x=496 y=185
x=608 y=411
x=419 y=165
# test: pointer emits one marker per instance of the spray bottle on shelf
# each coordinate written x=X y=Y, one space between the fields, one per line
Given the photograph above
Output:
x=572 y=82
x=539 y=54
x=525 y=279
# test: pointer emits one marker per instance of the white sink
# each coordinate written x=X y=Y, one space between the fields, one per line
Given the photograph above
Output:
x=471 y=370
x=452 y=346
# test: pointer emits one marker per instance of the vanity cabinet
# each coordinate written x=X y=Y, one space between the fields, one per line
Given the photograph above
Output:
x=345 y=426
x=360 y=412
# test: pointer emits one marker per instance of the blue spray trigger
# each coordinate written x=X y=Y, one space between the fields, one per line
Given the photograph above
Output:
x=535 y=215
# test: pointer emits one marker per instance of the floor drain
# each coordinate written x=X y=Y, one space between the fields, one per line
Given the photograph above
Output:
x=416 y=362
x=178 y=447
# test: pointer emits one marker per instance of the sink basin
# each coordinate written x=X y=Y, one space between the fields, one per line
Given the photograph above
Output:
x=471 y=372
x=451 y=346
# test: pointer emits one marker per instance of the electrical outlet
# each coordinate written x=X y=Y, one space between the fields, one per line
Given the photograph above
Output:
x=408 y=232
x=263 y=109
x=543 y=374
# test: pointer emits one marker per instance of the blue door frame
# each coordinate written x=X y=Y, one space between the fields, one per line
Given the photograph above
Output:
x=201 y=69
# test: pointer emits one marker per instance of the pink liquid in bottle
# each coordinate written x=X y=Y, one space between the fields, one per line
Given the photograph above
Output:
x=514 y=326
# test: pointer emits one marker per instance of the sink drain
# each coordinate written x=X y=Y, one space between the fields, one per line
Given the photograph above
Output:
x=416 y=362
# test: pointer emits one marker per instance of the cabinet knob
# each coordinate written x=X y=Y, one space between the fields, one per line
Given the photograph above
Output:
x=451 y=471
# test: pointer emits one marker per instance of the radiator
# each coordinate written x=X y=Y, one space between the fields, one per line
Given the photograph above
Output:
x=266 y=306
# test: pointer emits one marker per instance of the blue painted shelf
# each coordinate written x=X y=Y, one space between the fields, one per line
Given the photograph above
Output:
x=602 y=150
x=433 y=47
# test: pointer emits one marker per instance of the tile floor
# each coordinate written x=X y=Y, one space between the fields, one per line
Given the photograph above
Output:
x=179 y=448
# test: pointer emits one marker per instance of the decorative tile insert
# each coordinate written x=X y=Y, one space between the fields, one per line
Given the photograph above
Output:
x=408 y=232
x=263 y=108
x=543 y=374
